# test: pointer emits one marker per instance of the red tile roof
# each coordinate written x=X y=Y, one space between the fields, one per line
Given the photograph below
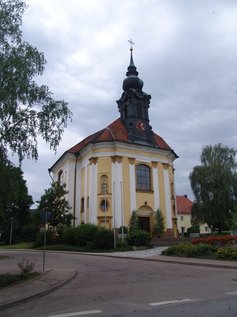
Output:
x=116 y=131
x=184 y=205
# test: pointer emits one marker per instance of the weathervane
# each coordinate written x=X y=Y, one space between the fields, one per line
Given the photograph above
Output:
x=131 y=43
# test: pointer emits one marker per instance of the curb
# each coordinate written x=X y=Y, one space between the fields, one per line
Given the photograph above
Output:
x=165 y=259
x=40 y=294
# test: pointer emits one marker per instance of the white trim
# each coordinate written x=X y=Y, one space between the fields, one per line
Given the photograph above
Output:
x=116 y=192
x=93 y=194
x=167 y=199
x=141 y=158
x=132 y=181
x=78 y=195
x=85 y=195
x=156 y=188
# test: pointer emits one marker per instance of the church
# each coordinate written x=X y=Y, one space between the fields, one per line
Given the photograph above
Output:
x=122 y=168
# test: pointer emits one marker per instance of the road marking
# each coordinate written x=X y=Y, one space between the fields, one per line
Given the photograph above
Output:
x=171 y=302
x=231 y=293
x=82 y=313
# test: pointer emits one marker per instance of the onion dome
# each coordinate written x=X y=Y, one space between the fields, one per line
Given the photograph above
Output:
x=132 y=80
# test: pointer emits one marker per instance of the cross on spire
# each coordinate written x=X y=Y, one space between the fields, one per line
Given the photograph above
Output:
x=131 y=43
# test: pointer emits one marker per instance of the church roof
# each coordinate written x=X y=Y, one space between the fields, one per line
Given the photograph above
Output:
x=184 y=205
x=116 y=131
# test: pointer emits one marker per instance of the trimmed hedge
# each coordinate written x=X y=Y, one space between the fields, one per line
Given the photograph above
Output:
x=104 y=239
x=85 y=235
x=139 y=238
x=89 y=236
x=228 y=253
x=69 y=236
x=190 y=250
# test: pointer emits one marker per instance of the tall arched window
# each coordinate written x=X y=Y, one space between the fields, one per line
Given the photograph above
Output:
x=143 y=177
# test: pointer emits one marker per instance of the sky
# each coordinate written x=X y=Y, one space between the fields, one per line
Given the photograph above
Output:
x=185 y=52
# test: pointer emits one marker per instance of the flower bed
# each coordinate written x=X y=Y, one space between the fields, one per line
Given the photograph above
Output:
x=221 y=240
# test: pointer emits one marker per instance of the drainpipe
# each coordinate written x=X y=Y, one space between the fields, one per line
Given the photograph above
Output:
x=49 y=170
x=75 y=191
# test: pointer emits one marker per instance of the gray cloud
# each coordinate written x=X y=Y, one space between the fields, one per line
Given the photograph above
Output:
x=185 y=53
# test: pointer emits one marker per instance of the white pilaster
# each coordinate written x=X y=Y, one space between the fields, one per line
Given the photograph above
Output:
x=132 y=181
x=85 y=195
x=93 y=194
x=156 y=188
x=116 y=193
x=78 y=195
x=167 y=199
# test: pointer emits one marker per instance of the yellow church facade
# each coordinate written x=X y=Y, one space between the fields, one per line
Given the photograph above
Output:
x=122 y=168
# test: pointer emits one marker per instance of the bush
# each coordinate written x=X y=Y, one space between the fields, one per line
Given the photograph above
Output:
x=220 y=240
x=104 y=239
x=29 y=233
x=85 y=235
x=69 y=236
x=51 y=238
x=123 y=229
x=8 y=279
x=190 y=250
x=193 y=229
x=229 y=253
x=139 y=238
x=26 y=267
x=159 y=224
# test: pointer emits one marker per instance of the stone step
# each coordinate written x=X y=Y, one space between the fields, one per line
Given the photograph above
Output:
x=168 y=241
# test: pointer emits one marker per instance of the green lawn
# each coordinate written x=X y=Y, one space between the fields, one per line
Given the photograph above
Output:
x=10 y=279
x=22 y=245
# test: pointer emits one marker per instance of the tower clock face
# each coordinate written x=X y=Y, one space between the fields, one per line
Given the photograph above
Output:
x=140 y=126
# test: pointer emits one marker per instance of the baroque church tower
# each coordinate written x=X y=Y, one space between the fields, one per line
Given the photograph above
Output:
x=133 y=107
x=121 y=168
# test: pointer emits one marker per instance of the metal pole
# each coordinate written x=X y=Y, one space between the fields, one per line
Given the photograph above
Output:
x=11 y=231
x=45 y=219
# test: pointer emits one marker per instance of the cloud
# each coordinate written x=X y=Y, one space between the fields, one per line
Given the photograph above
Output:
x=185 y=52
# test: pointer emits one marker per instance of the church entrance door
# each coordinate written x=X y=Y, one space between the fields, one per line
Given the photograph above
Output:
x=144 y=223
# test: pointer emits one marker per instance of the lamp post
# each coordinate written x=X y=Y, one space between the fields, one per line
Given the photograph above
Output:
x=12 y=219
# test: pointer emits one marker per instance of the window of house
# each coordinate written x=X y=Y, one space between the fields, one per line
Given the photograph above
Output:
x=143 y=177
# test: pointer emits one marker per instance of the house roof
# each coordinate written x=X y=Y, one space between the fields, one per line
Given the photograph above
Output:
x=184 y=205
x=116 y=131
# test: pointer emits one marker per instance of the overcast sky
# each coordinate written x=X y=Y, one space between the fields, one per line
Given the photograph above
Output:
x=185 y=52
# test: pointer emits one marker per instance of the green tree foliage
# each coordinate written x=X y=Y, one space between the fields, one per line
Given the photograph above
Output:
x=54 y=203
x=134 y=223
x=14 y=199
x=214 y=184
x=27 y=109
x=159 y=224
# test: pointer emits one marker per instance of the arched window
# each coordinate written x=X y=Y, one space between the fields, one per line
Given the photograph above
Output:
x=143 y=177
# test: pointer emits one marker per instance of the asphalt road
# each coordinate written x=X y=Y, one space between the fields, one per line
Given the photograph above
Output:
x=124 y=287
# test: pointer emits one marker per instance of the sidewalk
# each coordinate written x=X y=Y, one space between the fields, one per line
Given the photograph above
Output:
x=51 y=280
x=44 y=284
